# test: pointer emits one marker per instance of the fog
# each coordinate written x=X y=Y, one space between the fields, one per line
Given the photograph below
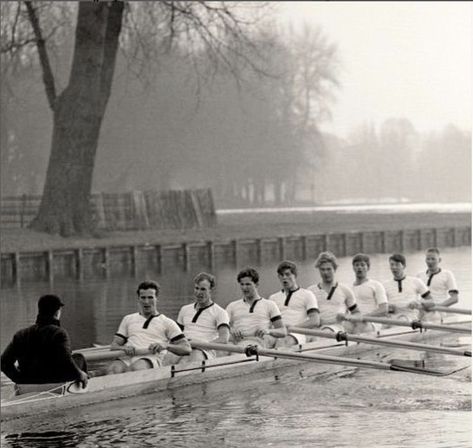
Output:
x=352 y=103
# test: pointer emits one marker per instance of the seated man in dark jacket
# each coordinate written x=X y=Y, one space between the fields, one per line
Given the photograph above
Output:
x=41 y=353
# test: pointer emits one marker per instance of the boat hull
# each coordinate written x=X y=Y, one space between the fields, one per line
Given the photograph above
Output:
x=129 y=384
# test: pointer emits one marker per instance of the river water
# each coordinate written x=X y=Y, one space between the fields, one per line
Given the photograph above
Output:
x=349 y=408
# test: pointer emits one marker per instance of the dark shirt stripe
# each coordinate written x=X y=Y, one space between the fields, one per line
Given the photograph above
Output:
x=177 y=338
x=352 y=308
x=199 y=312
x=121 y=336
x=425 y=294
x=275 y=318
x=148 y=321
x=223 y=325
x=431 y=276
x=289 y=295
x=252 y=307
x=332 y=290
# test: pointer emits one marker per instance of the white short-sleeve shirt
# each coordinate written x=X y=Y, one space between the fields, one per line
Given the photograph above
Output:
x=295 y=305
x=202 y=323
x=402 y=292
x=251 y=317
x=339 y=299
x=139 y=331
x=369 y=295
x=439 y=284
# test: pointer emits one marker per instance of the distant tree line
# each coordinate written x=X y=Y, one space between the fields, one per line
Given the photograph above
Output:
x=252 y=134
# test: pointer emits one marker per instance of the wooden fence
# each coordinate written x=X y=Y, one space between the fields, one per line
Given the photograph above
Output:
x=135 y=210
x=136 y=260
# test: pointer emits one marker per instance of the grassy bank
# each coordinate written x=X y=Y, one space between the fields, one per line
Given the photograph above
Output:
x=239 y=226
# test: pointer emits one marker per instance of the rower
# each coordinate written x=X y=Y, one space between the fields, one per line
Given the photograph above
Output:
x=441 y=283
x=203 y=320
x=336 y=300
x=370 y=294
x=147 y=330
x=298 y=305
x=253 y=319
x=406 y=294
x=43 y=351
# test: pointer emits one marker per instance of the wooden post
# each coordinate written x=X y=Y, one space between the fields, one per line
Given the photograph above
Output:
x=401 y=241
x=434 y=237
x=23 y=208
x=49 y=265
x=79 y=264
x=282 y=247
x=326 y=241
x=454 y=239
x=419 y=239
x=159 y=258
x=105 y=261
x=259 y=251
x=211 y=254
x=362 y=241
x=134 y=261
x=383 y=242
x=304 y=247
x=15 y=267
x=344 y=244
x=187 y=257
x=235 y=252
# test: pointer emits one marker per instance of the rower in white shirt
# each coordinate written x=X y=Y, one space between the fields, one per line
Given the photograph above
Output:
x=253 y=318
x=441 y=283
x=370 y=294
x=203 y=320
x=298 y=305
x=406 y=295
x=147 y=330
x=335 y=299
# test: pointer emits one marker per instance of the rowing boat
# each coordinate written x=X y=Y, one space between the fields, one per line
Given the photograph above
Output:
x=112 y=387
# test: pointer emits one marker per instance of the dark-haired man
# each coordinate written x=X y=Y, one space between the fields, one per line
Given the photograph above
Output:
x=147 y=330
x=253 y=318
x=298 y=305
x=43 y=351
x=406 y=294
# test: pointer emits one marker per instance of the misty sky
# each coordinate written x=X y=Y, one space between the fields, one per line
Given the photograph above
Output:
x=405 y=59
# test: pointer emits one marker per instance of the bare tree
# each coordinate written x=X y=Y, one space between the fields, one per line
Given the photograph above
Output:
x=78 y=110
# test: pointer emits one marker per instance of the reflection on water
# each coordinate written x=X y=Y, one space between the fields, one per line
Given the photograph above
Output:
x=350 y=408
x=94 y=308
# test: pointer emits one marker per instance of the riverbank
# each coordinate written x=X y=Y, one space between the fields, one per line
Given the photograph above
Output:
x=241 y=226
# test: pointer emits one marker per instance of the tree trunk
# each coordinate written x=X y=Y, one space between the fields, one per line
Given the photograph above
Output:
x=77 y=117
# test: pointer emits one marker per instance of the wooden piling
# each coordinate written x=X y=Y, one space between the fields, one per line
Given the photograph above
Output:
x=134 y=261
x=159 y=258
x=282 y=247
x=79 y=256
x=186 y=257
x=259 y=251
x=106 y=262
x=304 y=247
x=48 y=255
x=211 y=255
x=234 y=244
x=16 y=267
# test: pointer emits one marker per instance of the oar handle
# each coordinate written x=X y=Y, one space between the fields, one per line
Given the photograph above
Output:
x=448 y=309
x=107 y=354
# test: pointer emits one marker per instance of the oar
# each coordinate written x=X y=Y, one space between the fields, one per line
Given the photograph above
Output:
x=107 y=354
x=448 y=309
x=253 y=350
x=342 y=336
x=414 y=324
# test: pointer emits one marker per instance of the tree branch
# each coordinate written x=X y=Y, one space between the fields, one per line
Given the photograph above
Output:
x=48 y=77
